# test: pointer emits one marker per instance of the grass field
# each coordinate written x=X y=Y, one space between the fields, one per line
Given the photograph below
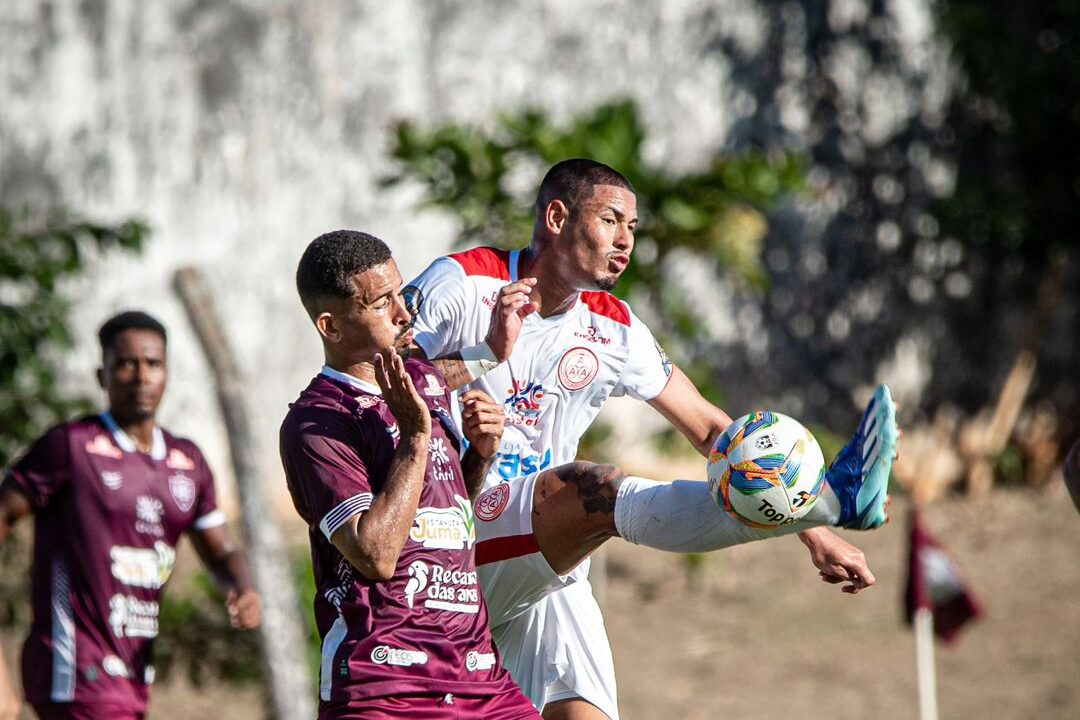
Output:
x=755 y=635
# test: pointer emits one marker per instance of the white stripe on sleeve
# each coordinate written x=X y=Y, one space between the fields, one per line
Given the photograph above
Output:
x=341 y=514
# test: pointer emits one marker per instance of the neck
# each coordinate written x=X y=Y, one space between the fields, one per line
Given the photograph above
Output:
x=552 y=291
x=140 y=430
x=362 y=370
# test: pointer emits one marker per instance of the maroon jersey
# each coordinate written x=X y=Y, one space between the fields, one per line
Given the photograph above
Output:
x=106 y=522
x=425 y=630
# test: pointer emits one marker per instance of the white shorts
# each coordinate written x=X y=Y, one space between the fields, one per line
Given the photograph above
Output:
x=553 y=644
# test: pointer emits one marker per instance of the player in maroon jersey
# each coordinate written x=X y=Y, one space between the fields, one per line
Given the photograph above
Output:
x=378 y=470
x=111 y=495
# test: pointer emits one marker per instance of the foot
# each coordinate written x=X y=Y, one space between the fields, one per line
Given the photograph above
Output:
x=859 y=476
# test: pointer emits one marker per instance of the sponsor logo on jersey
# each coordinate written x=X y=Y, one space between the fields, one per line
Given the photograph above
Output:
x=131 y=617
x=491 y=300
x=148 y=511
x=442 y=588
x=512 y=465
x=478 y=661
x=367 y=401
x=112 y=480
x=182 y=489
x=433 y=388
x=418 y=580
x=143 y=567
x=665 y=362
x=413 y=299
x=177 y=460
x=386 y=655
x=492 y=502
x=523 y=402
x=593 y=335
x=345 y=574
x=577 y=368
x=440 y=460
x=445 y=528
x=103 y=446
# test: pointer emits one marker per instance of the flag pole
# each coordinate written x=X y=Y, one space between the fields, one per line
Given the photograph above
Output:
x=924 y=663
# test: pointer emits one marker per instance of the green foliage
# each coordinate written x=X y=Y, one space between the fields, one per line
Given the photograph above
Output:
x=35 y=257
x=488 y=180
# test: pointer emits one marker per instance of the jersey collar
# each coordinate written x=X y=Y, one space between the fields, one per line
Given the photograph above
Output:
x=355 y=382
x=124 y=441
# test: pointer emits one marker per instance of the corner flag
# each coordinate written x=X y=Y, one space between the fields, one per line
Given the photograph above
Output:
x=935 y=584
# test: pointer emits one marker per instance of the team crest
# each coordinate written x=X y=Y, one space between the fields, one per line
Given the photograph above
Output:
x=101 y=445
x=177 y=460
x=182 y=489
x=577 y=368
x=492 y=502
x=367 y=401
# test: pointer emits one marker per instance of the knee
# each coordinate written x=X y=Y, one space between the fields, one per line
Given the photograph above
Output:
x=597 y=485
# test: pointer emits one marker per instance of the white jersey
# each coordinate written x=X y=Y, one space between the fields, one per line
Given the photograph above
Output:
x=562 y=368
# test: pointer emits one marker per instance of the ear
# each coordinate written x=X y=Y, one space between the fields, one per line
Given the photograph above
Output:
x=324 y=323
x=101 y=377
x=555 y=216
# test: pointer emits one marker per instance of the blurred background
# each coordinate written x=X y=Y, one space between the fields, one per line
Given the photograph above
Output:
x=832 y=194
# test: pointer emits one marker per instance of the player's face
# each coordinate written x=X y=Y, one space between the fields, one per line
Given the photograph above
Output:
x=376 y=318
x=134 y=375
x=598 y=237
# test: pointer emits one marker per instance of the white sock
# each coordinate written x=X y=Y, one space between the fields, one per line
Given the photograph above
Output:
x=681 y=516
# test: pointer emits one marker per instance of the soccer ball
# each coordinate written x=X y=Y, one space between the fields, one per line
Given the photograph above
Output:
x=766 y=470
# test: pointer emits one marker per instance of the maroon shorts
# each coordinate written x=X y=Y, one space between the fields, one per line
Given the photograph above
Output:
x=84 y=711
x=505 y=706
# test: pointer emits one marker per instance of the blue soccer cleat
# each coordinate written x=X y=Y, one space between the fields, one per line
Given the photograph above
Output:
x=859 y=476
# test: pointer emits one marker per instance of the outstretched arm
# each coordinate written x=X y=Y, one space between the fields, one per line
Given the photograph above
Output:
x=1071 y=471
x=467 y=364
x=701 y=422
x=229 y=568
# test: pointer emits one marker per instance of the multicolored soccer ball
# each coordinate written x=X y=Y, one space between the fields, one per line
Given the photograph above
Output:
x=766 y=470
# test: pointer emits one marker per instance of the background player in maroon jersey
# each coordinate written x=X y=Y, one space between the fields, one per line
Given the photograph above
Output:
x=111 y=495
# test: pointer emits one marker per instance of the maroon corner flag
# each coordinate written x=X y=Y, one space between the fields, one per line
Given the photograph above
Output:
x=935 y=583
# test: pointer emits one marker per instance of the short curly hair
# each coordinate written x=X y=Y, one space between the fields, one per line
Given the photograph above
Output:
x=128 y=320
x=330 y=261
x=573 y=180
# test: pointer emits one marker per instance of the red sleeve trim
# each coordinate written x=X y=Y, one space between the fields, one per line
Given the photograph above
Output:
x=606 y=304
x=485 y=261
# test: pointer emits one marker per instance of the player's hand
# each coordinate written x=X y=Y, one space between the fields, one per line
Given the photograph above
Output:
x=483 y=421
x=511 y=308
x=245 y=609
x=400 y=395
x=837 y=560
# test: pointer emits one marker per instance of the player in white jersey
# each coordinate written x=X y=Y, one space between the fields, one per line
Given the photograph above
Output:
x=582 y=346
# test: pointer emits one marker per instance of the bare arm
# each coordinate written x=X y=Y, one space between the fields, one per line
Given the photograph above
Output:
x=511 y=308
x=483 y=419
x=221 y=556
x=701 y=422
x=372 y=540
x=13 y=506
x=1071 y=471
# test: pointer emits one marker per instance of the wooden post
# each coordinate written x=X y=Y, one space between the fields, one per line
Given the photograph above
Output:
x=283 y=644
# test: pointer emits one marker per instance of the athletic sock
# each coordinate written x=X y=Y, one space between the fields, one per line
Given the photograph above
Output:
x=681 y=516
